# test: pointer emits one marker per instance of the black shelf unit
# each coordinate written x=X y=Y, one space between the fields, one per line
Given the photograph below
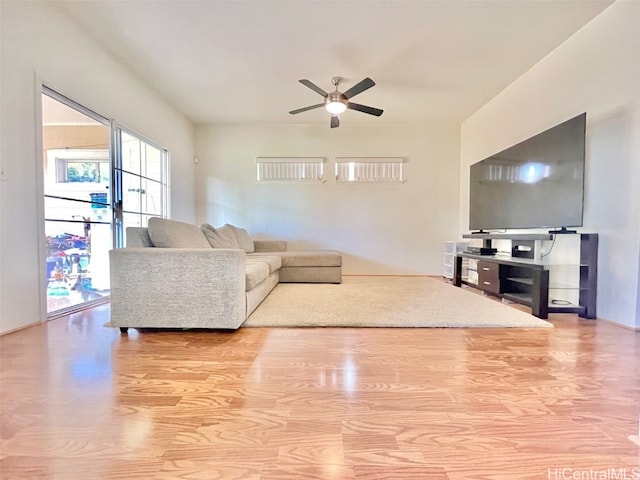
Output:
x=526 y=280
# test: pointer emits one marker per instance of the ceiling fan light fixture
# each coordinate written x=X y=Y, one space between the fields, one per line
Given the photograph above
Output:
x=336 y=107
x=335 y=103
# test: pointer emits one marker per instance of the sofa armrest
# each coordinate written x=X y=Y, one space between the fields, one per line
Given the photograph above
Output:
x=270 y=245
x=177 y=287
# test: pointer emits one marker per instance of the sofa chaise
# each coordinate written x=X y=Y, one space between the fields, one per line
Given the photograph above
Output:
x=178 y=275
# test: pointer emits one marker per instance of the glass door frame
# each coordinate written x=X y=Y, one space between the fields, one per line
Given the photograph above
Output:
x=70 y=103
x=116 y=194
x=119 y=208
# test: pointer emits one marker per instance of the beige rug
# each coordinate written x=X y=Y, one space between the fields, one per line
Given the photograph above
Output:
x=384 y=302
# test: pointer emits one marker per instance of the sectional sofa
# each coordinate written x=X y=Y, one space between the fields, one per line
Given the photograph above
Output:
x=178 y=275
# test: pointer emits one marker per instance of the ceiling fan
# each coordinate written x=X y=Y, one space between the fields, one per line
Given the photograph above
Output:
x=337 y=102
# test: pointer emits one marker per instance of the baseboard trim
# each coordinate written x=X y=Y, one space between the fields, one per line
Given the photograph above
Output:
x=17 y=329
x=617 y=324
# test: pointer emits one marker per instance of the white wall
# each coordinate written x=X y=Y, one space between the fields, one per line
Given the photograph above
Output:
x=39 y=43
x=597 y=71
x=380 y=229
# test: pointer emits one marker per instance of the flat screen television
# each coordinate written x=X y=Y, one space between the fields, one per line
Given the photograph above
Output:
x=537 y=183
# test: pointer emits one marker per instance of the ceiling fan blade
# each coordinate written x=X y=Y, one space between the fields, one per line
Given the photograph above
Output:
x=304 y=109
x=335 y=121
x=365 y=109
x=313 y=87
x=359 y=87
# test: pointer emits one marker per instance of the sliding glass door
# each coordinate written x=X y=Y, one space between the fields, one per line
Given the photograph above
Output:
x=141 y=179
x=77 y=204
x=98 y=180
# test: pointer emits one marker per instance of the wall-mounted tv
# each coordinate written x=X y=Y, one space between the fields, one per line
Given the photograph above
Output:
x=537 y=183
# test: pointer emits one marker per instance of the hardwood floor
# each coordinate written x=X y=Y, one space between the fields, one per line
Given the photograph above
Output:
x=81 y=401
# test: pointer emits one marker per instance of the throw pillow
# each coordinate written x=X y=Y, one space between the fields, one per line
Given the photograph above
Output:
x=173 y=234
x=219 y=237
x=243 y=238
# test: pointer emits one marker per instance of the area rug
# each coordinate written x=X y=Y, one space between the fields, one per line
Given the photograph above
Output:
x=385 y=301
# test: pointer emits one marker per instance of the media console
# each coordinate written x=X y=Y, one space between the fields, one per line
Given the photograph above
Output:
x=524 y=278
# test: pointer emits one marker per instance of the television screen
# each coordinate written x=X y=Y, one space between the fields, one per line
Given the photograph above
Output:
x=538 y=183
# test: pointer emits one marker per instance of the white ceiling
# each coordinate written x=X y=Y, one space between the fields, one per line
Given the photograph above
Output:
x=223 y=61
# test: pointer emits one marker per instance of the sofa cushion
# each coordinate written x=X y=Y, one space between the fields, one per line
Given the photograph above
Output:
x=137 y=237
x=310 y=258
x=269 y=245
x=166 y=233
x=219 y=237
x=256 y=272
x=243 y=238
x=273 y=261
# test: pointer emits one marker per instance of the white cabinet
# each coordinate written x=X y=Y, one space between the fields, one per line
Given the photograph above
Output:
x=451 y=249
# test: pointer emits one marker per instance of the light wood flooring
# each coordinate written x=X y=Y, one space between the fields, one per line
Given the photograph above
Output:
x=81 y=401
